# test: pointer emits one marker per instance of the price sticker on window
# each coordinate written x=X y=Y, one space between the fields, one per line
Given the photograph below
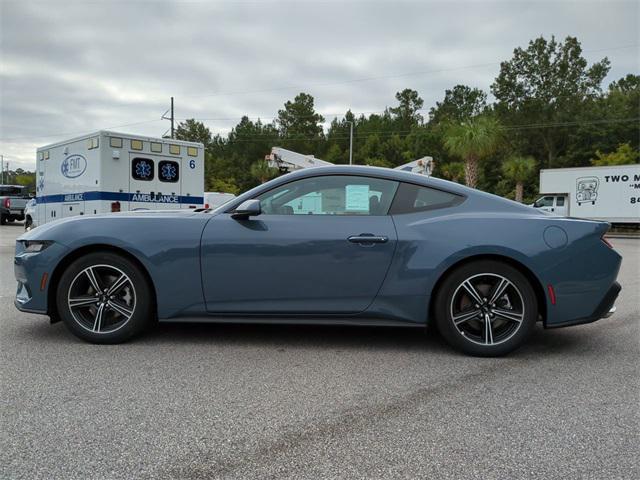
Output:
x=357 y=198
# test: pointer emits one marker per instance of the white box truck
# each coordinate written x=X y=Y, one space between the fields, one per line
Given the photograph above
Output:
x=112 y=172
x=599 y=193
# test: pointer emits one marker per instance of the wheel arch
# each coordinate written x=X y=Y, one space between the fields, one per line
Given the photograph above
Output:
x=80 y=252
x=522 y=268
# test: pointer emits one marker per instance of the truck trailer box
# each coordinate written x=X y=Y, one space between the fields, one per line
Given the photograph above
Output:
x=609 y=193
x=110 y=172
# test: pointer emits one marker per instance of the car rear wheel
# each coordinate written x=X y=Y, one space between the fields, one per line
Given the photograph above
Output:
x=103 y=297
x=486 y=308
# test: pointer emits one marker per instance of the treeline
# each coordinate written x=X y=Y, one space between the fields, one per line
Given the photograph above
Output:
x=20 y=177
x=549 y=111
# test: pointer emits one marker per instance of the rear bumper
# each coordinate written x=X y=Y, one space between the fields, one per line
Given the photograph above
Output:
x=605 y=309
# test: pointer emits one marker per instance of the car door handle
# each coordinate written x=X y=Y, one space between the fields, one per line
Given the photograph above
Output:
x=368 y=238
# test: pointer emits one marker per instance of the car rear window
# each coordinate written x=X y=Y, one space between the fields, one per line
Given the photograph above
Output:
x=10 y=190
x=415 y=198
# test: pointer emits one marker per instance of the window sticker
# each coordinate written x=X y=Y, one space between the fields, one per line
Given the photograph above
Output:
x=357 y=198
x=169 y=171
x=142 y=169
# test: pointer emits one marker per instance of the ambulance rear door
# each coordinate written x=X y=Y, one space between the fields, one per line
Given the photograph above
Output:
x=154 y=182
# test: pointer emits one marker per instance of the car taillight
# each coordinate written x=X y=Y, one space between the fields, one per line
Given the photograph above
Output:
x=7 y=203
x=206 y=205
x=606 y=242
x=115 y=207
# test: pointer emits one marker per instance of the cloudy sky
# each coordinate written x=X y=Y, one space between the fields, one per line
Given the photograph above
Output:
x=70 y=67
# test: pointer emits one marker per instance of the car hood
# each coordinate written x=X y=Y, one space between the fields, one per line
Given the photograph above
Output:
x=108 y=220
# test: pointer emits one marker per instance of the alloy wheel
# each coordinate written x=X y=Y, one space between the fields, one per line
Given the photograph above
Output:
x=102 y=299
x=487 y=309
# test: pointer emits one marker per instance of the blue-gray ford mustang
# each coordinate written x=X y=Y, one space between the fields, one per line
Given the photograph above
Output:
x=346 y=245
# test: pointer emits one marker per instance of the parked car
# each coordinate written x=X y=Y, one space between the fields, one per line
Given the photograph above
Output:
x=331 y=245
x=30 y=217
x=13 y=199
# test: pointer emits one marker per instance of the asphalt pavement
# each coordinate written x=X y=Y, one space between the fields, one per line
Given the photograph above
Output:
x=286 y=402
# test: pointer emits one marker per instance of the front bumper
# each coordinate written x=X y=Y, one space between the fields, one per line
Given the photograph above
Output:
x=605 y=309
x=29 y=269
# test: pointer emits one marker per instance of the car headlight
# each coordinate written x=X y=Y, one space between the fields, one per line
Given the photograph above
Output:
x=35 y=246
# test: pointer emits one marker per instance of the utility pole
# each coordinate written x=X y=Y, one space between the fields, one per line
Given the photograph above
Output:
x=350 y=141
x=172 y=130
x=351 y=144
x=171 y=118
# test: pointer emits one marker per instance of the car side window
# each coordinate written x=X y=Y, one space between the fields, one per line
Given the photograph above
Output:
x=559 y=201
x=415 y=198
x=330 y=195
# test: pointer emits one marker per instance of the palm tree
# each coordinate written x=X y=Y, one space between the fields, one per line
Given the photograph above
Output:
x=518 y=170
x=453 y=171
x=261 y=171
x=472 y=140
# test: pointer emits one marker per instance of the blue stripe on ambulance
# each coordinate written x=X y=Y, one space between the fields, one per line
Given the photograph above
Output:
x=119 y=197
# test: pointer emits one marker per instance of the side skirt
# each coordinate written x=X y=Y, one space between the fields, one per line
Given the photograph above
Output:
x=369 y=322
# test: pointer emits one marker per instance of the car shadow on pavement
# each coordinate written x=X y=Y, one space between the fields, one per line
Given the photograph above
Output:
x=296 y=336
x=574 y=341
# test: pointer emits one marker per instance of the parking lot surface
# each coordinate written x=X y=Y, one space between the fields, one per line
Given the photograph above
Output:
x=217 y=401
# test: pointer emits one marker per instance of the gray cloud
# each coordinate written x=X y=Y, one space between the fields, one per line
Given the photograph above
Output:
x=73 y=67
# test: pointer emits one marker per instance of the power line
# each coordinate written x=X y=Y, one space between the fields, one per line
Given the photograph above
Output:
x=81 y=132
x=342 y=82
x=382 y=77
x=578 y=95
x=384 y=133
x=267 y=117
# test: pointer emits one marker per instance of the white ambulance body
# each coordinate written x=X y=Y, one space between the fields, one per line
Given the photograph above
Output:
x=110 y=172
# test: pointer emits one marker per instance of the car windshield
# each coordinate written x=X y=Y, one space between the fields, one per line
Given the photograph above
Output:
x=544 y=202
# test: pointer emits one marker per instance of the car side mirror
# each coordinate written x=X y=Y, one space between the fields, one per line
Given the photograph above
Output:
x=248 y=208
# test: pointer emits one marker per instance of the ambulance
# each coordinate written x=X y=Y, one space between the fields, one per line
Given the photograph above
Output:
x=113 y=172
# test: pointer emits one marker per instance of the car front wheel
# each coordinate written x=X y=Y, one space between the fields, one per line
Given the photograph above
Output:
x=103 y=297
x=486 y=308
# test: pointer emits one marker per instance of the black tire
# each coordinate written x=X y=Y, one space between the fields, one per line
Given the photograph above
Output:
x=27 y=223
x=126 y=312
x=510 y=320
x=3 y=220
